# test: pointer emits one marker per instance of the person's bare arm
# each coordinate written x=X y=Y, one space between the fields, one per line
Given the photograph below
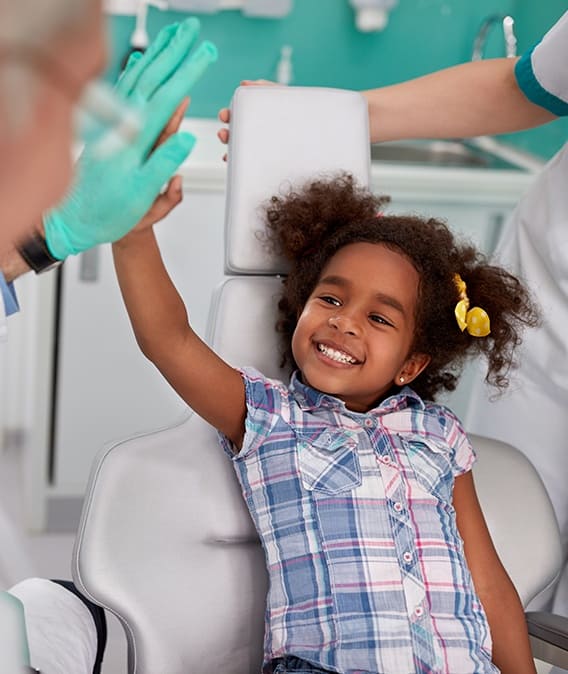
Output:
x=471 y=99
x=511 y=648
x=160 y=322
x=12 y=264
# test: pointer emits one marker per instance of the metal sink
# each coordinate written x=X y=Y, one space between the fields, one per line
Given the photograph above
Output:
x=446 y=153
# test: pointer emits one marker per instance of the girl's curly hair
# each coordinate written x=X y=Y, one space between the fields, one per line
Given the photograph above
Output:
x=309 y=225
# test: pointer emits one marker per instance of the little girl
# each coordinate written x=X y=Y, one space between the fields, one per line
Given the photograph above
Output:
x=359 y=485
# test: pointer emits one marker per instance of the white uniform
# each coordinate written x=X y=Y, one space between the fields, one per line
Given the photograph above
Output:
x=533 y=415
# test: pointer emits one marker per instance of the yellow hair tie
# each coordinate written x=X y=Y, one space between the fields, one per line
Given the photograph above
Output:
x=476 y=319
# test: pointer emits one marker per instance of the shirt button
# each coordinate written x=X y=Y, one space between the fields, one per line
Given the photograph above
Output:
x=398 y=506
x=386 y=459
x=369 y=422
x=407 y=556
x=419 y=611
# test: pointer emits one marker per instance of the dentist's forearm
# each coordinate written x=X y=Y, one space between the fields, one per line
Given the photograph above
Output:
x=157 y=312
x=13 y=265
x=471 y=99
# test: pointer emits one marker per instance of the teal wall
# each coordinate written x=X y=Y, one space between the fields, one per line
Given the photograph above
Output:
x=422 y=36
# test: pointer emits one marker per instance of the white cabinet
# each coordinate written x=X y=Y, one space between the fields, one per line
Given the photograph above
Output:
x=479 y=225
x=105 y=388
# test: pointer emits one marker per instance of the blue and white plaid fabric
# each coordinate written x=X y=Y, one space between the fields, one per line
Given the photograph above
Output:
x=366 y=565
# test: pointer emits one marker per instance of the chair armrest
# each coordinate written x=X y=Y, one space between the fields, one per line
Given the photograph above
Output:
x=548 y=634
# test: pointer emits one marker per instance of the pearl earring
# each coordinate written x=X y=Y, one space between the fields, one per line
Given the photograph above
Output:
x=401 y=380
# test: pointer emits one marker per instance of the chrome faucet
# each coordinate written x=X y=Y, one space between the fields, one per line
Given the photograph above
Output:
x=508 y=35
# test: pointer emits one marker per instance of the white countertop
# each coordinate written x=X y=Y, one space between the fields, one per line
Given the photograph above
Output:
x=205 y=170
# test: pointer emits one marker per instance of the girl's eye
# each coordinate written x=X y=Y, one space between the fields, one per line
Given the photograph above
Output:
x=330 y=300
x=379 y=319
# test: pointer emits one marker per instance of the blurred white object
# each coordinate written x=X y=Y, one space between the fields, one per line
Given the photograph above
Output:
x=61 y=633
x=372 y=15
x=284 y=68
x=267 y=8
x=14 y=653
x=105 y=120
x=124 y=7
x=272 y=9
x=15 y=559
x=132 y=7
x=508 y=24
x=205 y=6
x=139 y=38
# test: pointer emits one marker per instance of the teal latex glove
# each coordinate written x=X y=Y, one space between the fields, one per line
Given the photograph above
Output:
x=111 y=194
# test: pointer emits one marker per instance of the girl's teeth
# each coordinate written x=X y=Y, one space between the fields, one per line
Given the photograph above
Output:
x=338 y=356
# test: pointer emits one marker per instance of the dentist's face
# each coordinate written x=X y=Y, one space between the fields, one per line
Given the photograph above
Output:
x=36 y=162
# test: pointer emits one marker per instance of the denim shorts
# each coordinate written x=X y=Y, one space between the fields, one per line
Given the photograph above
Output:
x=290 y=664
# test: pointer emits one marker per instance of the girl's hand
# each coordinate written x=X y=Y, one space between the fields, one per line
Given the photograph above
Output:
x=173 y=194
x=225 y=114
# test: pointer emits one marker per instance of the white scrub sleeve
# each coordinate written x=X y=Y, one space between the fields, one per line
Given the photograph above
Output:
x=542 y=72
x=62 y=637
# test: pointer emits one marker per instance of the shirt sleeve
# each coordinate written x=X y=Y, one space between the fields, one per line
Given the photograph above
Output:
x=8 y=305
x=265 y=401
x=542 y=71
x=463 y=455
x=9 y=298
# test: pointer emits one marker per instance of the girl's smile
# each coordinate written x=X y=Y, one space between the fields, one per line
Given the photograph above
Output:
x=355 y=334
x=338 y=356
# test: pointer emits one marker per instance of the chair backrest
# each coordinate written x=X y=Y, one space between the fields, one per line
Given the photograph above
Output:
x=282 y=136
x=520 y=517
x=167 y=545
x=165 y=540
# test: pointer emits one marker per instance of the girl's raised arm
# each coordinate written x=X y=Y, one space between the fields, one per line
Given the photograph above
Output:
x=511 y=647
x=209 y=385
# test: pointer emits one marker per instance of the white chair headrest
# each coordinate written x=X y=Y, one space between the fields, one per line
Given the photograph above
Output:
x=274 y=145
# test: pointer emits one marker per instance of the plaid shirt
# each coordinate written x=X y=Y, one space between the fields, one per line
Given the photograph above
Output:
x=366 y=565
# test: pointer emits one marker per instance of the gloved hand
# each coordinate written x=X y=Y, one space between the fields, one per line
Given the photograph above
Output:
x=111 y=194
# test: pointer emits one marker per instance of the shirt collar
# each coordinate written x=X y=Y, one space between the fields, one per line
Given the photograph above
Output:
x=310 y=399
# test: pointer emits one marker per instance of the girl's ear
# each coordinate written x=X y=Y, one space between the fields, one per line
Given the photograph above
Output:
x=413 y=366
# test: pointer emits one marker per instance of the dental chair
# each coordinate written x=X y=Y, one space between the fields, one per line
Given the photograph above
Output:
x=165 y=541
